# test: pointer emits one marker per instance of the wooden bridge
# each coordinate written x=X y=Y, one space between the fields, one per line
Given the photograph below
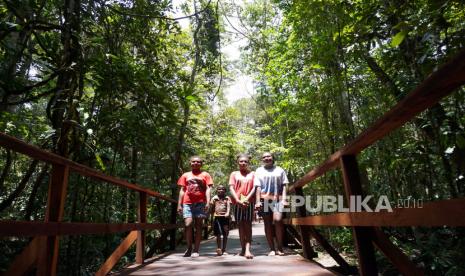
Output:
x=231 y=264
x=41 y=254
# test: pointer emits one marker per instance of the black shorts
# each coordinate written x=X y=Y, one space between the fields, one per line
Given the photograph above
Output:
x=220 y=226
x=244 y=214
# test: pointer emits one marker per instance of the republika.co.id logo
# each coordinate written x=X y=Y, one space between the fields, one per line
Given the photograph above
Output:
x=331 y=204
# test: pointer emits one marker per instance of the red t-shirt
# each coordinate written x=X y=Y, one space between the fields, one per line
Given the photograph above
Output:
x=242 y=184
x=194 y=186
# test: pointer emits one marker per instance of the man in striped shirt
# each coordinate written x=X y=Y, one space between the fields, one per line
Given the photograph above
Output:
x=270 y=181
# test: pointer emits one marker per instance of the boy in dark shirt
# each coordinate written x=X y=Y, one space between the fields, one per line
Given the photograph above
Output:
x=221 y=206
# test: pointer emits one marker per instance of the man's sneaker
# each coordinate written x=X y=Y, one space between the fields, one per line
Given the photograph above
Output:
x=195 y=255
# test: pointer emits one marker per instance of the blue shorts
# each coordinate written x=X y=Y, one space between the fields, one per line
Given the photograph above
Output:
x=194 y=210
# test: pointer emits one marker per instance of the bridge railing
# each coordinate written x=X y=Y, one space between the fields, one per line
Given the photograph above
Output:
x=448 y=78
x=42 y=252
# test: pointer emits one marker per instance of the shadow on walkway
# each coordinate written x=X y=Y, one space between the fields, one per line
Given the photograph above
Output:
x=209 y=263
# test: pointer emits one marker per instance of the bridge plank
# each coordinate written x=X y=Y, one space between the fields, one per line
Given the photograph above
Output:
x=232 y=264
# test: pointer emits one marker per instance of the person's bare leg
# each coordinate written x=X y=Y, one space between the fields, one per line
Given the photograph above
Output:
x=248 y=238
x=279 y=229
x=225 y=238
x=188 y=235
x=268 y=220
x=198 y=233
x=218 y=245
x=241 y=237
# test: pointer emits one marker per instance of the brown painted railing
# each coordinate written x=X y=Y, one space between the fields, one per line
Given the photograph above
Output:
x=42 y=251
x=366 y=232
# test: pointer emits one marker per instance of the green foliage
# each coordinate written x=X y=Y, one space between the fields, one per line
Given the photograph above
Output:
x=326 y=70
x=108 y=93
x=133 y=94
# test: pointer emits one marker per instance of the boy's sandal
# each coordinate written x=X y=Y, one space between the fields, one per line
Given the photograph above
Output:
x=187 y=253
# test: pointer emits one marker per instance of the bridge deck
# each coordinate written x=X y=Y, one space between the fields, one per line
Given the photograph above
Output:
x=232 y=264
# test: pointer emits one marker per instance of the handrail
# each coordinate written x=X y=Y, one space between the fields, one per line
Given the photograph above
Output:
x=38 y=228
x=436 y=213
x=439 y=84
x=17 y=145
x=42 y=251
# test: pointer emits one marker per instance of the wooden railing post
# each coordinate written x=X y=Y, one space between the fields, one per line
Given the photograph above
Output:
x=173 y=216
x=304 y=230
x=48 y=249
x=117 y=254
x=363 y=236
x=142 y=217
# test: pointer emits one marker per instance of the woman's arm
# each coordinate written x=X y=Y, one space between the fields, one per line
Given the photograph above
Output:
x=258 y=204
x=251 y=194
x=233 y=194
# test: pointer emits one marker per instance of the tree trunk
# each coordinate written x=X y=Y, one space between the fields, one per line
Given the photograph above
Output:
x=5 y=171
x=9 y=200
x=35 y=188
x=62 y=106
x=182 y=131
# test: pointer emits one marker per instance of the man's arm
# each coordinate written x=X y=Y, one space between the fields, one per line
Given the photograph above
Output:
x=208 y=195
x=284 y=194
x=285 y=184
x=181 y=195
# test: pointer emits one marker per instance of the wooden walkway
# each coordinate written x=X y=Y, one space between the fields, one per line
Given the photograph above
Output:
x=232 y=264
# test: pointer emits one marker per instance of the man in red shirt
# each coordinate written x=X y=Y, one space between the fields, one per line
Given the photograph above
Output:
x=192 y=203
